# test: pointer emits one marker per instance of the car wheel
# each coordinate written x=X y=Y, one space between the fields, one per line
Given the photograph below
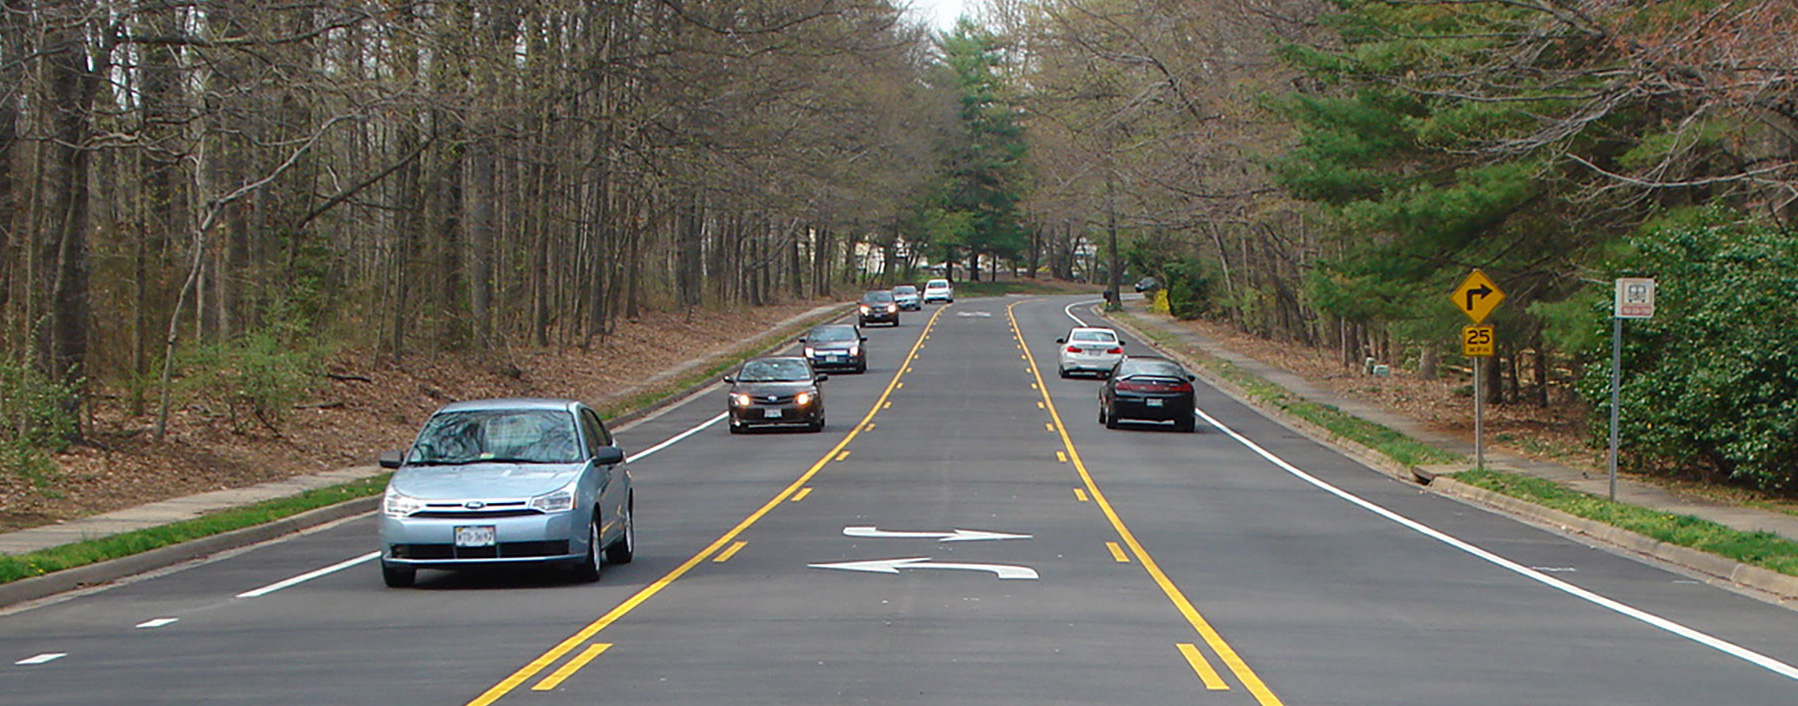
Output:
x=625 y=549
x=861 y=367
x=1101 y=414
x=1062 y=372
x=586 y=569
x=736 y=428
x=1111 y=420
x=817 y=426
x=1185 y=426
x=398 y=575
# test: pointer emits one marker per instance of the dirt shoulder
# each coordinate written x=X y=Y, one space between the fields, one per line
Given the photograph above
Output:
x=363 y=408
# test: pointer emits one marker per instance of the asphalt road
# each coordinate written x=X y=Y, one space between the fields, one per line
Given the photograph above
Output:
x=1131 y=566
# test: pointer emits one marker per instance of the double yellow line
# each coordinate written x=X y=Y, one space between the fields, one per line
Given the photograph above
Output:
x=579 y=638
x=1212 y=639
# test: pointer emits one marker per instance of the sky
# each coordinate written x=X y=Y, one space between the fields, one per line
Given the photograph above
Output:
x=941 y=13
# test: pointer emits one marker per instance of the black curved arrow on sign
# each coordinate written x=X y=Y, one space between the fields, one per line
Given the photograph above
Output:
x=1482 y=292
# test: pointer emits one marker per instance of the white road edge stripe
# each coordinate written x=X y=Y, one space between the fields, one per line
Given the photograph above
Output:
x=1069 y=310
x=40 y=659
x=1715 y=643
x=308 y=576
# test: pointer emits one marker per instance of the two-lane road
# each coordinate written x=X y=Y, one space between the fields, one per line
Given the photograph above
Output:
x=964 y=532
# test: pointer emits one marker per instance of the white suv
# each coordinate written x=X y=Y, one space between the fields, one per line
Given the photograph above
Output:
x=938 y=290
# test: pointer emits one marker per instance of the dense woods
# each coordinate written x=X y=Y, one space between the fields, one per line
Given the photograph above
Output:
x=1325 y=172
x=195 y=189
x=221 y=192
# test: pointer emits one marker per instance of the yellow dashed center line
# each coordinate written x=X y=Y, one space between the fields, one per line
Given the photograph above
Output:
x=1117 y=552
x=1081 y=494
x=1213 y=681
x=1213 y=639
x=801 y=494
x=574 y=665
x=725 y=555
x=843 y=455
x=1061 y=456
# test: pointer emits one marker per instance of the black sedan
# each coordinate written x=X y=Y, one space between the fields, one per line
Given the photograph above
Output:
x=878 y=307
x=776 y=392
x=836 y=347
x=1143 y=388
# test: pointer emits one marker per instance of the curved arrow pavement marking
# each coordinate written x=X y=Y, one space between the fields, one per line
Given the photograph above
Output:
x=892 y=566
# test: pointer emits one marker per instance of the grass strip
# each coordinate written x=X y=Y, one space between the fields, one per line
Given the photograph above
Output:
x=69 y=556
x=999 y=289
x=1763 y=549
x=677 y=385
x=1394 y=445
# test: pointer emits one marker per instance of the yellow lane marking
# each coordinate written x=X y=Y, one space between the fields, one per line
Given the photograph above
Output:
x=1117 y=552
x=908 y=370
x=1081 y=494
x=1213 y=681
x=1061 y=456
x=1213 y=639
x=574 y=665
x=888 y=405
x=1048 y=425
x=843 y=455
x=1033 y=386
x=901 y=386
x=735 y=547
x=801 y=494
x=1039 y=405
x=870 y=427
x=542 y=662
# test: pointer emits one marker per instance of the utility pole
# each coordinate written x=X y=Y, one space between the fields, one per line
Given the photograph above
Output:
x=1115 y=275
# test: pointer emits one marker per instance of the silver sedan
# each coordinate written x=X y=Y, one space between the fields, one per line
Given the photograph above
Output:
x=1089 y=350
x=510 y=482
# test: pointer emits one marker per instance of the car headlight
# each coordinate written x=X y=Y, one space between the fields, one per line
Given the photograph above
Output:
x=865 y=308
x=811 y=352
x=855 y=350
x=892 y=308
x=739 y=399
x=802 y=399
x=561 y=500
x=396 y=504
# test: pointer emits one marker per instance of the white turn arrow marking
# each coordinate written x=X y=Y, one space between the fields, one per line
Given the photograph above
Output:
x=959 y=535
x=892 y=566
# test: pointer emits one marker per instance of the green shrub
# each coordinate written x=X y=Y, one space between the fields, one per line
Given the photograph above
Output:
x=1188 y=289
x=257 y=377
x=34 y=420
x=1710 y=384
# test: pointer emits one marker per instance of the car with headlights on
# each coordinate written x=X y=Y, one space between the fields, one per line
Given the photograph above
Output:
x=907 y=297
x=939 y=290
x=1088 y=350
x=777 y=392
x=878 y=307
x=511 y=482
x=836 y=347
x=1147 y=389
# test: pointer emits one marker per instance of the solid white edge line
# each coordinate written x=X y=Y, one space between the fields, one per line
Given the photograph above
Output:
x=40 y=659
x=677 y=438
x=1707 y=640
x=1069 y=310
x=308 y=576
x=302 y=578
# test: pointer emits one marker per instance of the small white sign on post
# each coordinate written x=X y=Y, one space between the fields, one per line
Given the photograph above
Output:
x=1635 y=298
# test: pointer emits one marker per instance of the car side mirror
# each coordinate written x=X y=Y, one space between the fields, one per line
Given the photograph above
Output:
x=608 y=455
x=1061 y=340
x=1123 y=343
x=392 y=459
x=820 y=377
x=730 y=378
x=801 y=339
x=1191 y=377
x=864 y=338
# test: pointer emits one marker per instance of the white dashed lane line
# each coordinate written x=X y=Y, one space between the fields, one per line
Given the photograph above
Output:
x=41 y=659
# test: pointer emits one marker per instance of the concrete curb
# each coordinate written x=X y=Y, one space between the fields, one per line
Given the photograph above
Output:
x=1773 y=586
x=39 y=587
x=107 y=571
x=1782 y=588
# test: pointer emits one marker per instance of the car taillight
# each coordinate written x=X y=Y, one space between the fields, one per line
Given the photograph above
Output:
x=1073 y=349
x=1182 y=387
x=1115 y=350
x=1131 y=386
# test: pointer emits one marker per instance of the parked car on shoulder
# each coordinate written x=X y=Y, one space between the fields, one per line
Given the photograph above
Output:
x=939 y=290
x=777 y=391
x=836 y=347
x=878 y=307
x=1088 y=350
x=907 y=297
x=515 y=482
x=1147 y=389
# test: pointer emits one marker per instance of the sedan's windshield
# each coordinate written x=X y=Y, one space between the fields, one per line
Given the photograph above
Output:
x=828 y=334
x=496 y=436
x=881 y=297
x=905 y=289
x=775 y=370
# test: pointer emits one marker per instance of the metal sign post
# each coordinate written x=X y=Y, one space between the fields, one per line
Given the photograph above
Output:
x=1634 y=300
x=1477 y=297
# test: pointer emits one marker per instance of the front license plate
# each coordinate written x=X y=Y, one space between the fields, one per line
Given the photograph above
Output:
x=771 y=414
x=1154 y=402
x=474 y=536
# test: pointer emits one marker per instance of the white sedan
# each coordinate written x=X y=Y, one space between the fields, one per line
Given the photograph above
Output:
x=1091 y=350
